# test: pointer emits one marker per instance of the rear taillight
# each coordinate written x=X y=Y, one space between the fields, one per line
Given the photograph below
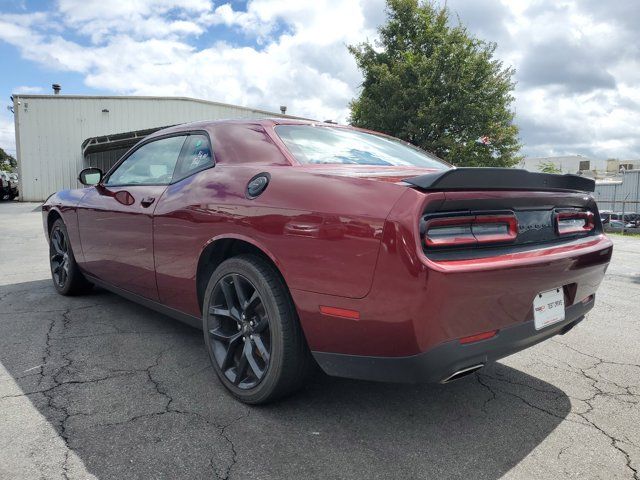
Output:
x=449 y=232
x=571 y=222
x=470 y=230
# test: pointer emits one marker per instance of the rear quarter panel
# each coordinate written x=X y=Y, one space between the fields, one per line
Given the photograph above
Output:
x=416 y=303
x=323 y=232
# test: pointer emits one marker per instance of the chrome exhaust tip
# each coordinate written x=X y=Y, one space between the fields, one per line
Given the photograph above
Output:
x=462 y=373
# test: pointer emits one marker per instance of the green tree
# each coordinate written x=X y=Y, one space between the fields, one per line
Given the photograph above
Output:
x=549 y=167
x=433 y=84
x=7 y=162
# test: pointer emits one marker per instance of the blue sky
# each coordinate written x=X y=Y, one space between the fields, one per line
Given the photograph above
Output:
x=577 y=62
x=23 y=72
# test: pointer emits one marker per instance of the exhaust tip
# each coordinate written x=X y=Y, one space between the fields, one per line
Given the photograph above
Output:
x=462 y=373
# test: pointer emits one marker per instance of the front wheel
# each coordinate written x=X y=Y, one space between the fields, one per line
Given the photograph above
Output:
x=65 y=273
x=252 y=333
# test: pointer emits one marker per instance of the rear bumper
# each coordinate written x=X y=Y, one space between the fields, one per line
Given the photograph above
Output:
x=441 y=361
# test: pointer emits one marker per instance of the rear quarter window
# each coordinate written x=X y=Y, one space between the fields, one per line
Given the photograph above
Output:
x=196 y=155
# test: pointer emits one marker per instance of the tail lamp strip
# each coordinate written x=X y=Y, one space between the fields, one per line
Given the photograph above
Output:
x=470 y=230
x=573 y=222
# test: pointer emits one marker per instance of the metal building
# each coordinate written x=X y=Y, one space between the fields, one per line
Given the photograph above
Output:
x=52 y=131
x=618 y=195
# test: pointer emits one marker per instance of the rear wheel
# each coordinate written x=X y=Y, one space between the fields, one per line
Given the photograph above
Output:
x=252 y=332
x=67 y=277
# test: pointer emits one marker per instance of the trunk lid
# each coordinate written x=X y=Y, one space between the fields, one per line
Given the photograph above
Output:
x=532 y=209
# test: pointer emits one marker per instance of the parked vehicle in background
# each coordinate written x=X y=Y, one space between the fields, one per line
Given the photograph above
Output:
x=606 y=216
x=614 y=225
x=15 y=185
x=628 y=218
x=8 y=186
x=291 y=242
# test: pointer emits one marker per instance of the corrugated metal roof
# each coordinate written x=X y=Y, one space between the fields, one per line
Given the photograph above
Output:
x=152 y=97
x=50 y=130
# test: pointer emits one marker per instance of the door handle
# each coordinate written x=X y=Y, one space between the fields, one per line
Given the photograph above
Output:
x=147 y=201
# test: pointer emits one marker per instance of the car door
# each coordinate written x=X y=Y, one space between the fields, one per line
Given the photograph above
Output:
x=178 y=231
x=115 y=217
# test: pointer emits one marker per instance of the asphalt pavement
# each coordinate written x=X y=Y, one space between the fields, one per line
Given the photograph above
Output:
x=99 y=387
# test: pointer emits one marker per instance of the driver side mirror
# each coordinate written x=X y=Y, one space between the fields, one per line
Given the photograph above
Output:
x=90 y=176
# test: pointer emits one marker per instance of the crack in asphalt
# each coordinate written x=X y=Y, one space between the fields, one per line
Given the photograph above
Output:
x=50 y=386
x=234 y=456
x=615 y=442
x=48 y=393
x=168 y=409
x=51 y=392
x=523 y=399
x=492 y=394
x=601 y=360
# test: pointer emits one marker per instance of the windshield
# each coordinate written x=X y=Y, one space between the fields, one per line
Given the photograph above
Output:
x=313 y=144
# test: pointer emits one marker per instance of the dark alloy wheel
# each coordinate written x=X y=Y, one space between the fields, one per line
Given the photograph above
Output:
x=238 y=325
x=252 y=332
x=65 y=273
x=59 y=256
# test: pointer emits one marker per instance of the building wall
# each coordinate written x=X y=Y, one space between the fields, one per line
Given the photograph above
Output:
x=104 y=160
x=567 y=164
x=51 y=128
x=572 y=164
x=611 y=195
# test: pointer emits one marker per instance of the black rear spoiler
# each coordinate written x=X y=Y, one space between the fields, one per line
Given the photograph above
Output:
x=500 y=179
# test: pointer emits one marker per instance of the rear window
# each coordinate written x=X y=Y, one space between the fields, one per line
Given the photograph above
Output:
x=312 y=144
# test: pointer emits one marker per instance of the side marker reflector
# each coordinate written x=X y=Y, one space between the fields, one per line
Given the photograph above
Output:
x=340 y=312
x=478 y=337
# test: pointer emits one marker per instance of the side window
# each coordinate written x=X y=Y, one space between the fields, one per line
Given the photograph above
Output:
x=151 y=164
x=196 y=155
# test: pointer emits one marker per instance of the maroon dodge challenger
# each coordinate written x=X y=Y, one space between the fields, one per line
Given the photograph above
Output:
x=293 y=243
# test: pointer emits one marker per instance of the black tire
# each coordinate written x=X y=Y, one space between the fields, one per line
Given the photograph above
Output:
x=67 y=277
x=277 y=349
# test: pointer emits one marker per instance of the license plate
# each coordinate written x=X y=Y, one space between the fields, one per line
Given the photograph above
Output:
x=548 y=308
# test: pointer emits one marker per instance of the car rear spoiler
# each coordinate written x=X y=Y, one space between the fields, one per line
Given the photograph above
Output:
x=500 y=179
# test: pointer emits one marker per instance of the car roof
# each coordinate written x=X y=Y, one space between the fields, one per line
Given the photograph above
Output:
x=264 y=122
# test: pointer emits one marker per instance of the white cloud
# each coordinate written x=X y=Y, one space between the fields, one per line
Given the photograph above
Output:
x=576 y=70
x=7 y=135
x=26 y=89
x=307 y=68
x=577 y=66
x=142 y=19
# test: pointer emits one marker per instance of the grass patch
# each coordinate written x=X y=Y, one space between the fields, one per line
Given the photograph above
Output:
x=625 y=234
